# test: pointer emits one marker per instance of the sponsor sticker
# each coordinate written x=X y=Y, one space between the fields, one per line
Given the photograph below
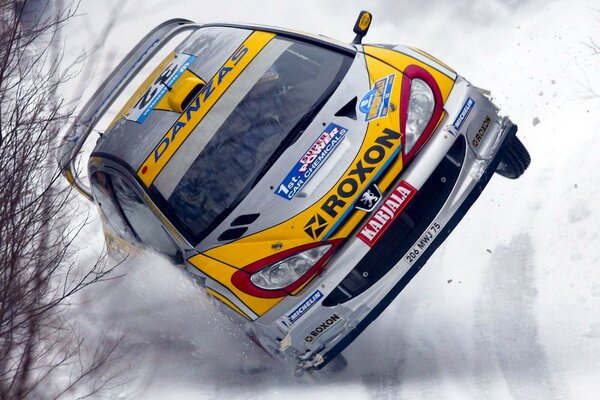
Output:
x=315 y=226
x=328 y=323
x=481 y=132
x=311 y=160
x=157 y=90
x=304 y=307
x=376 y=103
x=423 y=243
x=387 y=212
x=464 y=113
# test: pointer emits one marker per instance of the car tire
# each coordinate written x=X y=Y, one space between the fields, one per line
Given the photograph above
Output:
x=515 y=160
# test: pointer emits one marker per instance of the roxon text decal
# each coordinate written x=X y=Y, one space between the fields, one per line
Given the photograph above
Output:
x=373 y=159
x=328 y=323
x=481 y=132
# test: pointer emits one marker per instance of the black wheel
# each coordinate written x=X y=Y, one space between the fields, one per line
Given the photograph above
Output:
x=515 y=160
x=339 y=363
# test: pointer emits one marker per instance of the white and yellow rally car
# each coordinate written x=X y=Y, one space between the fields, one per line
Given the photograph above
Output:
x=301 y=180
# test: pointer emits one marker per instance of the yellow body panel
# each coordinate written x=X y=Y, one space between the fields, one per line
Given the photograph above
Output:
x=382 y=139
x=433 y=58
x=222 y=273
x=401 y=61
x=227 y=302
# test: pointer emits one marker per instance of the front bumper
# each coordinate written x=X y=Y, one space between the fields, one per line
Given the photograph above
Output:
x=360 y=281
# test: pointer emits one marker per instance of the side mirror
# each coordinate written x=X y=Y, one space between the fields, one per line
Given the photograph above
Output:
x=361 y=27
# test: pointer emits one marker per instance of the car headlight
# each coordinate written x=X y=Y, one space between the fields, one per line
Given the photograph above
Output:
x=420 y=110
x=285 y=272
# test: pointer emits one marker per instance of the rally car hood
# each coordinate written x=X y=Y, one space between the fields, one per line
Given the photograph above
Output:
x=323 y=185
x=357 y=137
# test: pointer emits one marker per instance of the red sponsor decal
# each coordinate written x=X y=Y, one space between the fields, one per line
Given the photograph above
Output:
x=311 y=155
x=387 y=212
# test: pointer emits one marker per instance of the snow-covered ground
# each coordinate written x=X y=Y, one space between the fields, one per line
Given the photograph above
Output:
x=508 y=307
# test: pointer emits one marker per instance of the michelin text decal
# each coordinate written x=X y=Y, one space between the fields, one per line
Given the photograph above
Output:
x=310 y=162
x=302 y=308
x=464 y=113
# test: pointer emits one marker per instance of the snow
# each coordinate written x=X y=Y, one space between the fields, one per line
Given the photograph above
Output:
x=506 y=308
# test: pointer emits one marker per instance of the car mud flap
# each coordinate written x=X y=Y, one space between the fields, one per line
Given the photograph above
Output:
x=325 y=327
x=324 y=358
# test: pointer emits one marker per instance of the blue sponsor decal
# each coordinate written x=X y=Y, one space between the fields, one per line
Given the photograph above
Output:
x=310 y=162
x=145 y=105
x=304 y=307
x=376 y=102
x=464 y=113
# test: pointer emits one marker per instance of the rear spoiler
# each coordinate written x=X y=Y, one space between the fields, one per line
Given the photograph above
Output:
x=110 y=89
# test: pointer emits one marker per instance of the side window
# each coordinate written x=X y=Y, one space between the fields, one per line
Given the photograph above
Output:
x=104 y=196
x=126 y=212
x=143 y=221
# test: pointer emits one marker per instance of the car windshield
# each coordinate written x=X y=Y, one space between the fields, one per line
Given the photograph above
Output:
x=273 y=101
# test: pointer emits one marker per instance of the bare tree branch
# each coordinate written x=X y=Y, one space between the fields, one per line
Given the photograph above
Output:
x=39 y=274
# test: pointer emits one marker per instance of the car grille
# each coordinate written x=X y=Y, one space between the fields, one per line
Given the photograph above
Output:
x=405 y=231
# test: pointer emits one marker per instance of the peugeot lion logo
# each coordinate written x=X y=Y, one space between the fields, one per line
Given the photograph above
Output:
x=369 y=199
